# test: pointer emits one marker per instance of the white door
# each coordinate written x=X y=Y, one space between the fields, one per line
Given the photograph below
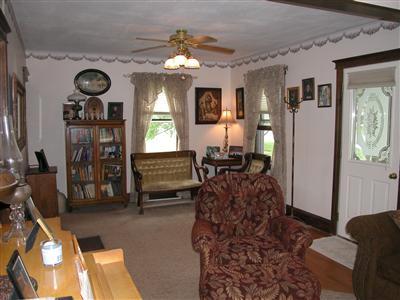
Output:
x=370 y=142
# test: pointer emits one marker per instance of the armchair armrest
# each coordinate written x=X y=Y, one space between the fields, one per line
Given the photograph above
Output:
x=198 y=168
x=203 y=240
x=295 y=237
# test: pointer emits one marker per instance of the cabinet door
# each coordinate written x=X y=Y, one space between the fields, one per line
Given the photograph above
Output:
x=111 y=154
x=81 y=163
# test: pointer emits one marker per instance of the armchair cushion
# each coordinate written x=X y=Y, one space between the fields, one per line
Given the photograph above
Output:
x=389 y=268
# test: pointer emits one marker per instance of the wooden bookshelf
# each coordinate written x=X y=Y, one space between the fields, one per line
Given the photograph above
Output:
x=96 y=162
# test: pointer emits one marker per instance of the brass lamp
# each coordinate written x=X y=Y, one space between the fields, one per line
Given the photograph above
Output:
x=226 y=119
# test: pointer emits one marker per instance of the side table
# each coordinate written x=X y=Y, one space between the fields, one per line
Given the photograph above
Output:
x=44 y=190
x=218 y=162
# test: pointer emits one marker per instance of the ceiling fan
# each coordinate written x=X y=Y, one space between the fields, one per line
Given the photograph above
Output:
x=182 y=41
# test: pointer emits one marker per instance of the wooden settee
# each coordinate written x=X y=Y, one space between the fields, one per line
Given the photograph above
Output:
x=161 y=172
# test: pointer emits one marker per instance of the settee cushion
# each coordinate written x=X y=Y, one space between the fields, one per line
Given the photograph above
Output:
x=168 y=185
x=389 y=268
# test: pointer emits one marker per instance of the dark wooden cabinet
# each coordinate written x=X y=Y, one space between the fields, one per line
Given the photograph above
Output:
x=96 y=162
x=44 y=190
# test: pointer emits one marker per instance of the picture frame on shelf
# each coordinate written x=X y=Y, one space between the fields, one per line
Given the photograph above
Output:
x=293 y=96
x=115 y=111
x=240 y=103
x=208 y=102
x=68 y=112
x=308 y=89
x=325 y=95
x=235 y=152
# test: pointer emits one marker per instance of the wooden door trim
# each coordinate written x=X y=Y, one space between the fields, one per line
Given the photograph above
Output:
x=341 y=65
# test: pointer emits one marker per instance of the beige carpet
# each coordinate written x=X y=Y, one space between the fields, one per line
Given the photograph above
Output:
x=157 y=247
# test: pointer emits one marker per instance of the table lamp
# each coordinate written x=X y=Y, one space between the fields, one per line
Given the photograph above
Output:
x=226 y=119
x=14 y=189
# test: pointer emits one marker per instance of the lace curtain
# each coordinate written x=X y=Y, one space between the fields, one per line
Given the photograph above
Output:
x=272 y=81
x=147 y=88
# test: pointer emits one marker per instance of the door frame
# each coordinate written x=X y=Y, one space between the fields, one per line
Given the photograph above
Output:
x=340 y=65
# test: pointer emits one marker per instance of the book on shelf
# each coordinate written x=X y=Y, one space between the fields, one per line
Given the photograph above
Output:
x=111 y=189
x=82 y=172
x=82 y=153
x=110 y=135
x=84 y=191
x=81 y=135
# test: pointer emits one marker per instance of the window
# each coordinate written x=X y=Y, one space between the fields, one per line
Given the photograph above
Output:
x=264 y=136
x=161 y=135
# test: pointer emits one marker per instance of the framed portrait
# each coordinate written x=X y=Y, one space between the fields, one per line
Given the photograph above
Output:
x=92 y=82
x=240 y=103
x=235 y=152
x=293 y=96
x=115 y=111
x=19 y=111
x=325 y=95
x=208 y=105
x=308 y=89
x=68 y=112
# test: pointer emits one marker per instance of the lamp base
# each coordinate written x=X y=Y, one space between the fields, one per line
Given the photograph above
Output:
x=17 y=229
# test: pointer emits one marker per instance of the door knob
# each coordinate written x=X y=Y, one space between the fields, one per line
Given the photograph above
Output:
x=393 y=176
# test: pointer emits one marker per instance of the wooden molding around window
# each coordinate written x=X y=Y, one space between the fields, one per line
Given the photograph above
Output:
x=341 y=64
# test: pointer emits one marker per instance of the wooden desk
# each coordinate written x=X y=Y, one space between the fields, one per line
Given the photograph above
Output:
x=63 y=280
x=226 y=162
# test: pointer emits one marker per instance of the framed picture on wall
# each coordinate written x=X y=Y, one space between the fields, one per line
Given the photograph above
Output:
x=325 y=95
x=208 y=103
x=19 y=111
x=115 y=111
x=240 y=103
x=308 y=89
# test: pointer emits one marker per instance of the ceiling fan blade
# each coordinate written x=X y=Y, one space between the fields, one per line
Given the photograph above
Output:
x=214 y=48
x=150 y=48
x=153 y=40
x=199 y=39
x=349 y=7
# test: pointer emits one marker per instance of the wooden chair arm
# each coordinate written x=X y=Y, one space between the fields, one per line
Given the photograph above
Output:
x=197 y=167
x=136 y=174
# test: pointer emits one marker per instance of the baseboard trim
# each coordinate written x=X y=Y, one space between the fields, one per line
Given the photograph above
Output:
x=311 y=219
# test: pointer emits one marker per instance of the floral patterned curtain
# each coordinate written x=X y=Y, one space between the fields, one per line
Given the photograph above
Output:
x=270 y=80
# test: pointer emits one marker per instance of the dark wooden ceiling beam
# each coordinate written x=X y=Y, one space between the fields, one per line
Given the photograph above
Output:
x=349 y=7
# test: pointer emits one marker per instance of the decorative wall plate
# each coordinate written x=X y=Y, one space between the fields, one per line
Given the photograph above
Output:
x=94 y=109
x=92 y=82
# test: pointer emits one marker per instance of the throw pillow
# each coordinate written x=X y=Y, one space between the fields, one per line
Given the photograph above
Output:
x=395 y=215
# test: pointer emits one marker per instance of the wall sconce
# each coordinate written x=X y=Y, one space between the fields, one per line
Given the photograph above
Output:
x=226 y=119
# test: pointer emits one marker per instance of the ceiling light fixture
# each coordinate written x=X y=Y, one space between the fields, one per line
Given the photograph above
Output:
x=181 y=59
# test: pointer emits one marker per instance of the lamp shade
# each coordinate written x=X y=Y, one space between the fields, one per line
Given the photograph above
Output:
x=180 y=59
x=170 y=64
x=226 y=117
x=192 y=63
x=76 y=96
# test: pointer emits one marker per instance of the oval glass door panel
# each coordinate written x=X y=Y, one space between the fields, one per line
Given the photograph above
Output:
x=371 y=123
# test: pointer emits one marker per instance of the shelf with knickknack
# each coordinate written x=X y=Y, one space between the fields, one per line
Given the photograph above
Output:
x=96 y=162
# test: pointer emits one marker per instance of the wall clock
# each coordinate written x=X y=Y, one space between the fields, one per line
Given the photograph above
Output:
x=92 y=82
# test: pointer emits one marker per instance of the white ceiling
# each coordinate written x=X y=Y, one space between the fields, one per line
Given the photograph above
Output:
x=110 y=27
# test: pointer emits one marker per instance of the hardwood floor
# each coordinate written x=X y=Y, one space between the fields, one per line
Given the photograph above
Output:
x=332 y=275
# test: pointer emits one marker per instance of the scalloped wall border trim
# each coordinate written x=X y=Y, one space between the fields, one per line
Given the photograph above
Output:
x=319 y=42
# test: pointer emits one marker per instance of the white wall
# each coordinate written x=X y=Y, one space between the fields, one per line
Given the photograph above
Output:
x=315 y=126
x=51 y=81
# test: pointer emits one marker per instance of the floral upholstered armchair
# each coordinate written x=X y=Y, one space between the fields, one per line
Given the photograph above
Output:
x=248 y=248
